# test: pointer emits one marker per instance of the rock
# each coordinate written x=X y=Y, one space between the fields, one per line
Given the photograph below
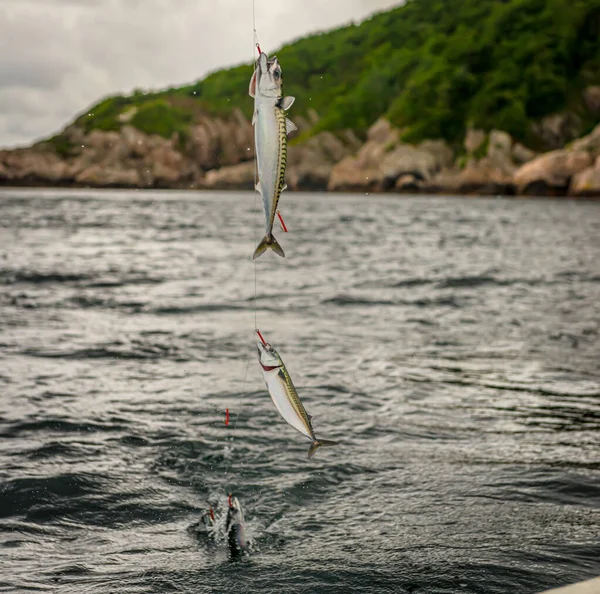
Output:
x=589 y=143
x=215 y=142
x=479 y=176
x=381 y=131
x=474 y=138
x=302 y=123
x=556 y=130
x=407 y=183
x=101 y=142
x=313 y=116
x=441 y=152
x=107 y=177
x=232 y=177
x=362 y=172
x=166 y=165
x=446 y=181
x=136 y=142
x=31 y=166
x=350 y=175
x=407 y=160
x=551 y=173
x=382 y=160
x=310 y=163
x=499 y=147
x=485 y=176
x=521 y=154
x=591 y=96
x=422 y=161
x=587 y=182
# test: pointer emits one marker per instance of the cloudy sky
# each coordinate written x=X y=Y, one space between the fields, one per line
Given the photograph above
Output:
x=57 y=57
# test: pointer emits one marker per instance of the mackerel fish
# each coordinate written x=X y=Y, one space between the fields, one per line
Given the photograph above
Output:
x=284 y=396
x=271 y=128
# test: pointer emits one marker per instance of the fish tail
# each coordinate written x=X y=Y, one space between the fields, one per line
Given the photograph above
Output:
x=267 y=242
x=315 y=445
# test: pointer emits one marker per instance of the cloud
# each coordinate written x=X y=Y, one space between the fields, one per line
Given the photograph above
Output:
x=58 y=57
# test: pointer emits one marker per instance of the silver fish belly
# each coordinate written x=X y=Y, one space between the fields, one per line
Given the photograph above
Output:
x=271 y=155
x=285 y=397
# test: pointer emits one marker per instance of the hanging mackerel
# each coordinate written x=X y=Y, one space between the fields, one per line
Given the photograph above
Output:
x=284 y=395
x=271 y=128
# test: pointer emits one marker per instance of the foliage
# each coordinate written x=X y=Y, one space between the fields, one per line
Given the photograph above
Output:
x=159 y=117
x=61 y=145
x=432 y=67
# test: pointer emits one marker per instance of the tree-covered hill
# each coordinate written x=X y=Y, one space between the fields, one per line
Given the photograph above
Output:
x=433 y=67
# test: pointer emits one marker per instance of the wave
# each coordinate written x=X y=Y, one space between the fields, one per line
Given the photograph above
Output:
x=19 y=496
x=55 y=425
x=477 y=280
x=134 y=351
x=349 y=300
x=10 y=277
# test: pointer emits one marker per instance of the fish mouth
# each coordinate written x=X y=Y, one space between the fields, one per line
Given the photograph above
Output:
x=264 y=350
x=263 y=62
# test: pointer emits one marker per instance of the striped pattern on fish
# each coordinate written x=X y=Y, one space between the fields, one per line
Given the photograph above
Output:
x=285 y=397
x=271 y=128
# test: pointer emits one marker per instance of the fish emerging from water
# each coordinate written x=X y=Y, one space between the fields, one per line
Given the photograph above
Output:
x=235 y=529
x=284 y=396
x=271 y=128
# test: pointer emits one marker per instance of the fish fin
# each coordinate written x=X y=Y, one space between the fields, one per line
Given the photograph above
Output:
x=287 y=102
x=257 y=187
x=267 y=242
x=284 y=187
x=315 y=445
x=290 y=126
x=254 y=117
x=252 y=87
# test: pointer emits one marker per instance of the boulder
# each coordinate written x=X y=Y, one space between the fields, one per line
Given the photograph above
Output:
x=521 y=154
x=382 y=160
x=441 y=152
x=479 y=176
x=406 y=159
x=310 y=163
x=217 y=142
x=591 y=96
x=499 y=148
x=382 y=132
x=102 y=176
x=33 y=166
x=231 y=177
x=485 y=176
x=551 y=173
x=137 y=143
x=554 y=131
x=587 y=182
x=99 y=141
x=407 y=183
x=351 y=175
x=589 y=143
x=166 y=164
x=474 y=139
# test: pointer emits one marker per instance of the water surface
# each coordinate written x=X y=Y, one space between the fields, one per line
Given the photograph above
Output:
x=451 y=345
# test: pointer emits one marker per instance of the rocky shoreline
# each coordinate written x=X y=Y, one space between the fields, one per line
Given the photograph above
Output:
x=218 y=154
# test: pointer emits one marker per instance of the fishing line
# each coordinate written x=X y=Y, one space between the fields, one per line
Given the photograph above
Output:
x=255 y=46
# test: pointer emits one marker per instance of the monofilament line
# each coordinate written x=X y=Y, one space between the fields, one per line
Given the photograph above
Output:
x=256 y=237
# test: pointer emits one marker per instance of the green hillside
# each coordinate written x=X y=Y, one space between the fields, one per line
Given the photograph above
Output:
x=431 y=66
